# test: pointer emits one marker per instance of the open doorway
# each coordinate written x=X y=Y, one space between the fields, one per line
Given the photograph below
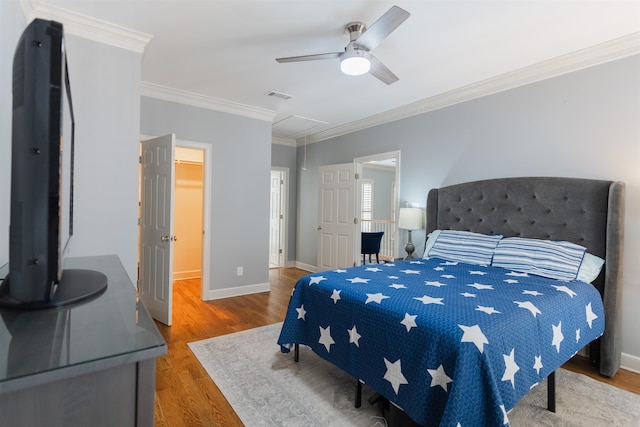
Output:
x=165 y=170
x=377 y=200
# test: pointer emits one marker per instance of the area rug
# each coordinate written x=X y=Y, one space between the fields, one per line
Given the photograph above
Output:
x=267 y=388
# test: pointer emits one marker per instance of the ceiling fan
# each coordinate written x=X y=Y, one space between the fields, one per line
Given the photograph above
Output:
x=356 y=58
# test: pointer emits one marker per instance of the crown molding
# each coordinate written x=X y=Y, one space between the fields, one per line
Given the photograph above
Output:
x=87 y=27
x=164 y=93
x=290 y=142
x=612 y=50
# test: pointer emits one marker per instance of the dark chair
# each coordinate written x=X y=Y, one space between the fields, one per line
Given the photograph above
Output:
x=370 y=245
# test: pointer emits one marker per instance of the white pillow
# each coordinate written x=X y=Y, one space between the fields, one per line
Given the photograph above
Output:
x=548 y=258
x=462 y=246
x=431 y=239
x=590 y=268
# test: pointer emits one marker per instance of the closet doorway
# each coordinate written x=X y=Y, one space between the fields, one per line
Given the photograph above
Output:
x=188 y=211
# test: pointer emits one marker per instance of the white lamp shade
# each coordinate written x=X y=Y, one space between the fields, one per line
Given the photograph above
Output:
x=411 y=219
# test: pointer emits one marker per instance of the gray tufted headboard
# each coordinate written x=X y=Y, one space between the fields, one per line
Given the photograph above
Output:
x=587 y=212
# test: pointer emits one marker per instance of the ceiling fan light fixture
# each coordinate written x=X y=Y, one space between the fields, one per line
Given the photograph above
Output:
x=355 y=62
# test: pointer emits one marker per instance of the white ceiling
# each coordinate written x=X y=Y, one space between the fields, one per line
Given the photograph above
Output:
x=225 y=50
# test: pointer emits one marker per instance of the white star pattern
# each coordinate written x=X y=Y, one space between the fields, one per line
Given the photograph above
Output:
x=397 y=286
x=316 y=280
x=538 y=364
x=511 y=281
x=335 y=296
x=449 y=263
x=488 y=310
x=529 y=306
x=301 y=312
x=467 y=295
x=374 y=269
x=448 y=276
x=565 y=290
x=534 y=293
x=591 y=316
x=510 y=368
x=409 y=321
x=375 y=298
x=480 y=273
x=480 y=286
x=389 y=264
x=340 y=270
x=410 y=271
x=578 y=335
x=474 y=334
x=325 y=338
x=439 y=269
x=504 y=414
x=393 y=277
x=516 y=274
x=354 y=336
x=426 y=299
x=557 y=336
x=416 y=262
x=439 y=377
x=394 y=374
x=436 y=283
x=358 y=280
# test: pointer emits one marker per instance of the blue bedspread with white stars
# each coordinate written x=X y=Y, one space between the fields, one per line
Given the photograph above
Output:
x=452 y=344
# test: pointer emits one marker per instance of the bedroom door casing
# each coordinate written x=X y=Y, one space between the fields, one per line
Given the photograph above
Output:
x=156 y=227
x=336 y=216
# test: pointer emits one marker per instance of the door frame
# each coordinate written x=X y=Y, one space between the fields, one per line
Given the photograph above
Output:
x=358 y=167
x=284 y=206
x=206 y=214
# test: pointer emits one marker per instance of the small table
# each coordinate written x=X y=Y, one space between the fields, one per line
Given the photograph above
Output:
x=87 y=364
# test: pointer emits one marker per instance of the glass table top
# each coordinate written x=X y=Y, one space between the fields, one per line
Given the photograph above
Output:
x=113 y=324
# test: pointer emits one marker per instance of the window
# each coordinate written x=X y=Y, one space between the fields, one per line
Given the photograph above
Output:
x=366 y=206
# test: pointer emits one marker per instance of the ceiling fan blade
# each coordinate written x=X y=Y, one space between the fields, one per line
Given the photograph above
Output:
x=380 y=29
x=380 y=71
x=310 y=57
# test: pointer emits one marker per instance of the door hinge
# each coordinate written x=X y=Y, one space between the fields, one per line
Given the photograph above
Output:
x=279 y=251
x=139 y=221
x=281 y=216
x=357 y=175
x=140 y=159
x=355 y=221
x=282 y=182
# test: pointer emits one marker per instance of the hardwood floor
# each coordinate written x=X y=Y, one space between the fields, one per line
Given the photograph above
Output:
x=186 y=396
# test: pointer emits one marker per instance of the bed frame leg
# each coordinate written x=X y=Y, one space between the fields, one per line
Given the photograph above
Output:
x=551 y=392
x=358 y=401
x=296 y=352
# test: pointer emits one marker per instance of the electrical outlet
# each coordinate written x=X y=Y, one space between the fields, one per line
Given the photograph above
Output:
x=240 y=271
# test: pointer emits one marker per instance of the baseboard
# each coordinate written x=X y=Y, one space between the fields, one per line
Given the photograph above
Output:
x=237 y=291
x=305 y=267
x=186 y=275
x=630 y=362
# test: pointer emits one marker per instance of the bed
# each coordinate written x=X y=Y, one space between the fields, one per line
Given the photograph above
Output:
x=453 y=340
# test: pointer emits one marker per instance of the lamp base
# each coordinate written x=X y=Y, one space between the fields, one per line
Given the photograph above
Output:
x=409 y=248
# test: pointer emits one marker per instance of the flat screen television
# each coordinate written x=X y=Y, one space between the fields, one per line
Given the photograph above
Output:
x=42 y=165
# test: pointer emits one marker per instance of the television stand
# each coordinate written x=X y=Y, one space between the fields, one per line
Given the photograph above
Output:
x=75 y=286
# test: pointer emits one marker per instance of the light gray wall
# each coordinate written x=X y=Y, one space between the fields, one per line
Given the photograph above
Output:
x=584 y=124
x=241 y=171
x=12 y=23
x=284 y=156
x=382 y=190
x=105 y=85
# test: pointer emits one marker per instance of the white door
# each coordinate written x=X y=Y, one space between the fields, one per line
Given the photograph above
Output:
x=276 y=218
x=336 y=216
x=156 y=227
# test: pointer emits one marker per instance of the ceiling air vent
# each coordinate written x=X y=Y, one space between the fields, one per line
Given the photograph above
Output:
x=280 y=95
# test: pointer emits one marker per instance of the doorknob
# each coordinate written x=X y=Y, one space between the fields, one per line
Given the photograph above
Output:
x=319 y=227
x=165 y=238
x=174 y=238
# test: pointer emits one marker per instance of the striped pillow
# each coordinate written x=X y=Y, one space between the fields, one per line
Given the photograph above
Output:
x=464 y=246
x=547 y=258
